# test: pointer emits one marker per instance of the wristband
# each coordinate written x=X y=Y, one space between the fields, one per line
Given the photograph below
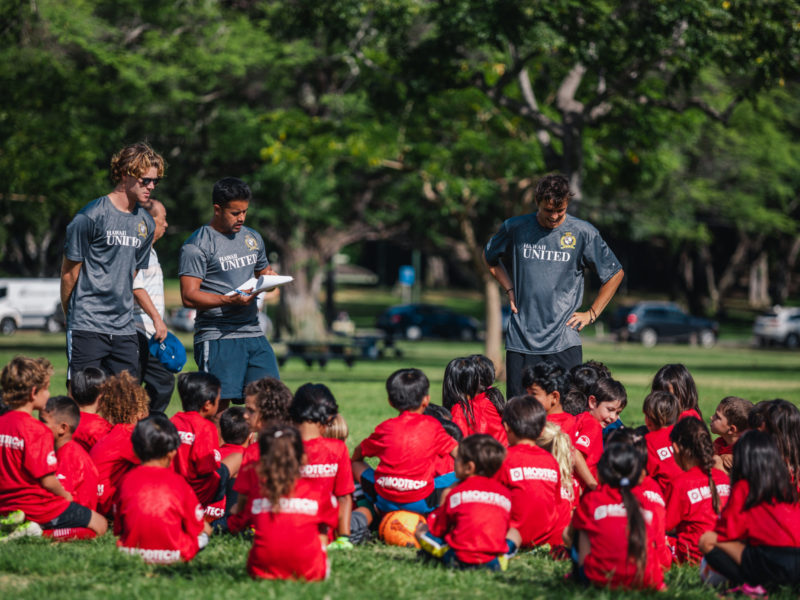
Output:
x=592 y=315
x=509 y=290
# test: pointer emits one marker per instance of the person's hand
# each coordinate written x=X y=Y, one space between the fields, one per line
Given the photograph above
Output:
x=161 y=330
x=269 y=271
x=579 y=320
x=242 y=297
x=512 y=302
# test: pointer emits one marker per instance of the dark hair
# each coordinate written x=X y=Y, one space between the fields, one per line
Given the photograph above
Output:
x=441 y=414
x=755 y=420
x=609 y=390
x=273 y=400
x=229 y=189
x=84 y=386
x=631 y=437
x=525 y=416
x=4 y=408
x=620 y=467
x=483 y=450
x=407 y=389
x=782 y=420
x=583 y=377
x=64 y=410
x=549 y=376
x=736 y=411
x=676 y=379
x=462 y=382
x=553 y=189
x=758 y=460
x=279 y=466
x=197 y=388
x=662 y=408
x=233 y=425
x=486 y=375
x=574 y=402
x=154 y=437
x=693 y=438
x=313 y=402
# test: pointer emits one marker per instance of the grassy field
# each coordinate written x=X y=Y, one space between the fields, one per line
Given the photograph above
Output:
x=37 y=569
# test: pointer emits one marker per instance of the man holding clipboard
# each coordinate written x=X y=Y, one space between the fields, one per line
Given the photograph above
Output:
x=216 y=260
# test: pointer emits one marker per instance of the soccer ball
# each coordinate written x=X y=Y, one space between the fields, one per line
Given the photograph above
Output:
x=397 y=528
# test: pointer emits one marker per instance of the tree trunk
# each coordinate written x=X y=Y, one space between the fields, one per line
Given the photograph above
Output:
x=782 y=275
x=303 y=314
x=494 y=325
x=758 y=296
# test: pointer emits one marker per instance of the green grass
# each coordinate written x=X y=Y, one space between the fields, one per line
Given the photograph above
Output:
x=38 y=569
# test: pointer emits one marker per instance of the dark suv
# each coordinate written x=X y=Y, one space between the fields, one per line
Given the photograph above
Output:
x=654 y=322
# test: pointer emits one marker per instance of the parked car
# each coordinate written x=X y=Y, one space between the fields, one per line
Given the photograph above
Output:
x=781 y=325
x=415 y=321
x=29 y=302
x=653 y=322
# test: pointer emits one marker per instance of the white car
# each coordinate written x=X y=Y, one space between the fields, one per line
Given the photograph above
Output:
x=182 y=319
x=779 y=326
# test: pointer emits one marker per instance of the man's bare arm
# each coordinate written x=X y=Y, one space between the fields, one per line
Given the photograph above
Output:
x=499 y=272
x=143 y=299
x=70 y=270
x=193 y=297
x=604 y=296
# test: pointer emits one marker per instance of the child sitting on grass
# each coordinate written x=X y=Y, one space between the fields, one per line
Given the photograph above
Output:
x=76 y=471
x=84 y=388
x=266 y=403
x=661 y=411
x=677 y=380
x=327 y=460
x=729 y=422
x=234 y=429
x=548 y=383
x=407 y=446
x=698 y=494
x=530 y=473
x=123 y=402
x=607 y=399
x=464 y=394
x=156 y=512
x=471 y=528
x=556 y=442
x=613 y=529
x=288 y=513
x=199 y=460
x=29 y=488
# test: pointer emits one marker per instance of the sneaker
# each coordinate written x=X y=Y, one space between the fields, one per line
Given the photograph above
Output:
x=750 y=591
x=433 y=545
x=12 y=520
x=26 y=529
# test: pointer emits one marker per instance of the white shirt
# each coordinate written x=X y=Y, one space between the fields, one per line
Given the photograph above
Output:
x=151 y=280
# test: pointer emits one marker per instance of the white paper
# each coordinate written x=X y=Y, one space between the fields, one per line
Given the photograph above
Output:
x=262 y=284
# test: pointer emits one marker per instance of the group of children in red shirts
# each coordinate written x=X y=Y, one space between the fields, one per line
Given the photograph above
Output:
x=554 y=467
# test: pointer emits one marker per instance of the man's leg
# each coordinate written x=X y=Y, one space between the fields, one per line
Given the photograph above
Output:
x=86 y=349
x=124 y=355
x=158 y=381
x=261 y=360
x=566 y=359
x=227 y=360
x=516 y=363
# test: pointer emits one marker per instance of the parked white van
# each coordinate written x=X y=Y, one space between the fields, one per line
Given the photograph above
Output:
x=29 y=303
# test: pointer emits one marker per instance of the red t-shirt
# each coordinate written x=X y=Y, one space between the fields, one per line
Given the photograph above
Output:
x=765 y=524
x=443 y=465
x=690 y=413
x=690 y=510
x=78 y=474
x=474 y=520
x=90 y=429
x=532 y=477
x=661 y=465
x=567 y=422
x=287 y=543
x=721 y=447
x=157 y=515
x=565 y=505
x=217 y=509
x=589 y=439
x=328 y=467
x=27 y=455
x=113 y=456
x=486 y=419
x=602 y=516
x=198 y=455
x=407 y=447
x=649 y=491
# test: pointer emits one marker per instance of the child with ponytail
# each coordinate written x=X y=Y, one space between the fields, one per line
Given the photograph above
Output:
x=678 y=381
x=614 y=530
x=756 y=540
x=464 y=395
x=287 y=512
x=698 y=494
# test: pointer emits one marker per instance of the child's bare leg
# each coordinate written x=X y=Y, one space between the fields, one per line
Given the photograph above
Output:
x=359 y=466
x=98 y=524
x=514 y=536
x=233 y=462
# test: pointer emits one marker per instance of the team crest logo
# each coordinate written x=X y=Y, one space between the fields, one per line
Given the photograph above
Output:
x=142 y=230
x=568 y=241
x=250 y=242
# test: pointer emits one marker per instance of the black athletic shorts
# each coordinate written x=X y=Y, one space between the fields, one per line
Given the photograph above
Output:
x=75 y=515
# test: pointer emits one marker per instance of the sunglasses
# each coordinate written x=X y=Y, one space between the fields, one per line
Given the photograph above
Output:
x=145 y=181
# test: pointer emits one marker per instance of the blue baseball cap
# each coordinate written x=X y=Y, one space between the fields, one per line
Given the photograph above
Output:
x=169 y=353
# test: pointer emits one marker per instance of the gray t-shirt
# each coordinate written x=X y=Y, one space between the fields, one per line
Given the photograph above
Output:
x=547 y=271
x=224 y=262
x=112 y=245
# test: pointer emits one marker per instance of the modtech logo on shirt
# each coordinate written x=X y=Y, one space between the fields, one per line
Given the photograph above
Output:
x=533 y=474
x=480 y=497
x=296 y=506
x=664 y=453
x=317 y=471
x=13 y=442
x=401 y=484
x=704 y=493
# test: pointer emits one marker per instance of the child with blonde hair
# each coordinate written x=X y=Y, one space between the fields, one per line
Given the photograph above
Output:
x=559 y=445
